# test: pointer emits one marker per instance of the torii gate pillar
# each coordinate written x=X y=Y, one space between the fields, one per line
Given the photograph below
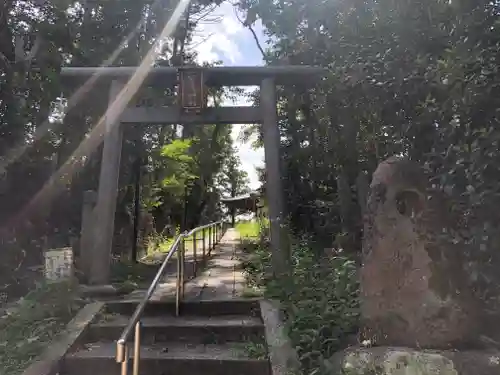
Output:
x=274 y=188
x=107 y=194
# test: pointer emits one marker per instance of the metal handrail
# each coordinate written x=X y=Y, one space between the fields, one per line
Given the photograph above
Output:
x=134 y=322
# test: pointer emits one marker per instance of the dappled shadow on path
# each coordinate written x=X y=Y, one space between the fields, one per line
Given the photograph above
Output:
x=192 y=268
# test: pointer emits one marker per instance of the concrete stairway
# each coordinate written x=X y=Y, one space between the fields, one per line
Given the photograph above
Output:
x=209 y=338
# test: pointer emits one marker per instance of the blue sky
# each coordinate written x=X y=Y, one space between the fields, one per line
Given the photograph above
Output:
x=227 y=40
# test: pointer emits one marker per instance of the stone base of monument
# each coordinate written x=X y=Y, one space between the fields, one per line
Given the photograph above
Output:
x=406 y=361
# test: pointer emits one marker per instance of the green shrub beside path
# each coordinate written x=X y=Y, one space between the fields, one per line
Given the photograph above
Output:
x=320 y=300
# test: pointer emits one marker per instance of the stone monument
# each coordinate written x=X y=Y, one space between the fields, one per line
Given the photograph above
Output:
x=59 y=264
x=416 y=306
x=414 y=286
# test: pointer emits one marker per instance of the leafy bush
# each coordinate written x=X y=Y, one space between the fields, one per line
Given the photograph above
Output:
x=320 y=300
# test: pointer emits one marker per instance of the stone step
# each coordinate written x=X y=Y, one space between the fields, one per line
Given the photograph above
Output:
x=247 y=307
x=167 y=359
x=192 y=329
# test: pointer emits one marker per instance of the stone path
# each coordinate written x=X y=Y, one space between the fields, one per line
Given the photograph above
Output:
x=221 y=279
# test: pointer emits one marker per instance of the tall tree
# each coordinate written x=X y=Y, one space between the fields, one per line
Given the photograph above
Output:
x=415 y=78
x=47 y=35
x=234 y=180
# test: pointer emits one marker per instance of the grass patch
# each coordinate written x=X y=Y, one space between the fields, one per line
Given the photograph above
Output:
x=158 y=246
x=320 y=300
x=248 y=229
x=255 y=349
x=128 y=276
x=33 y=323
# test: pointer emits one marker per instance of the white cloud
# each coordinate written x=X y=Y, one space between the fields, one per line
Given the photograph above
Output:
x=229 y=41
x=216 y=33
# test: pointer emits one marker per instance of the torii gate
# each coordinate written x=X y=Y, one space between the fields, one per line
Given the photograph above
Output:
x=191 y=109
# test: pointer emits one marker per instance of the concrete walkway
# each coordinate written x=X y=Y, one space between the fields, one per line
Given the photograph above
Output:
x=221 y=279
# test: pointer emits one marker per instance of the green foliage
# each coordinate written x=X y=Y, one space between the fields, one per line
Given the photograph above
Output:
x=234 y=180
x=190 y=170
x=253 y=348
x=180 y=168
x=177 y=151
x=413 y=78
x=320 y=300
x=157 y=243
x=249 y=228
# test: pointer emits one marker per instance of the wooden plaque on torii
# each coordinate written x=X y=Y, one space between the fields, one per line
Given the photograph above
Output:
x=191 y=90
